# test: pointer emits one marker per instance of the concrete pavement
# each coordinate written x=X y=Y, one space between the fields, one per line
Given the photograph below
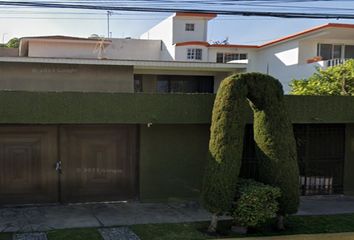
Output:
x=44 y=218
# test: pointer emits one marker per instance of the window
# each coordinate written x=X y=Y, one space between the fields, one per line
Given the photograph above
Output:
x=227 y=57
x=163 y=85
x=189 y=27
x=138 y=83
x=331 y=51
x=194 y=54
x=231 y=56
x=349 y=51
x=185 y=84
x=219 y=57
x=243 y=56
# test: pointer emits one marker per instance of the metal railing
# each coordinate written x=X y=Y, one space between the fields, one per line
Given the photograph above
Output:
x=335 y=62
x=315 y=185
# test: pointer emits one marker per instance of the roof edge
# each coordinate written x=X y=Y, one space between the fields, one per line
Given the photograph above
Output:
x=198 y=15
x=311 y=30
x=206 y=44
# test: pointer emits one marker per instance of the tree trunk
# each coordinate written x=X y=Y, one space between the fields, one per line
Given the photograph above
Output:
x=280 y=222
x=213 y=224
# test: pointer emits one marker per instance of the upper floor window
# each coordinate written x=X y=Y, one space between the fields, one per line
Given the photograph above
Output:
x=194 y=54
x=227 y=57
x=189 y=27
x=349 y=51
x=329 y=51
x=335 y=51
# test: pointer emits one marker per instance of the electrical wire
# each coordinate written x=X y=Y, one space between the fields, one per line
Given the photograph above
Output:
x=199 y=7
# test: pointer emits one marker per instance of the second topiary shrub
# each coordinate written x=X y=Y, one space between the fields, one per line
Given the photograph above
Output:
x=255 y=203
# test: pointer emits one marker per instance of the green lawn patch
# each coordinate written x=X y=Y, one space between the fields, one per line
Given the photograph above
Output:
x=74 y=234
x=178 y=231
x=295 y=225
x=325 y=236
x=5 y=236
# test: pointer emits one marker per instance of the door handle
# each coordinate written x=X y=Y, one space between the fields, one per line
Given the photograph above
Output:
x=58 y=166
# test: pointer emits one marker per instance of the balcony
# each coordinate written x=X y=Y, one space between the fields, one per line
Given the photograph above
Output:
x=318 y=61
x=335 y=62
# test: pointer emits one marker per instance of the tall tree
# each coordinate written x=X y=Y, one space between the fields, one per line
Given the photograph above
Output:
x=337 y=80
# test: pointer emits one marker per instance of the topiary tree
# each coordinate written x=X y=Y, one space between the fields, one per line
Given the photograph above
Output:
x=273 y=136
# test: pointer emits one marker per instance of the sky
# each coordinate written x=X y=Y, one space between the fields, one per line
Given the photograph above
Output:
x=23 y=21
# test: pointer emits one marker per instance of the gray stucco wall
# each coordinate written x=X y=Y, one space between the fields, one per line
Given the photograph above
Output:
x=66 y=77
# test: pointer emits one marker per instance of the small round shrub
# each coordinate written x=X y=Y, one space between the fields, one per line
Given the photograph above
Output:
x=255 y=203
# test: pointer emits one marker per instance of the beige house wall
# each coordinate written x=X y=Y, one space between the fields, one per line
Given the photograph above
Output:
x=8 y=52
x=64 y=49
x=66 y=77
x=131 y=49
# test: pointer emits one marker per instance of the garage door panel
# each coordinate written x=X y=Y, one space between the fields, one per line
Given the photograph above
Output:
x=98 y=164
x=27 y=158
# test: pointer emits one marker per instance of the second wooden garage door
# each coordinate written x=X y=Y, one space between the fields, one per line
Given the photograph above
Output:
x=98 y=163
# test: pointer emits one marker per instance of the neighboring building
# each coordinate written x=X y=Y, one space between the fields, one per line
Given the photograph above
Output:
x=72 y=131
x=166 y=57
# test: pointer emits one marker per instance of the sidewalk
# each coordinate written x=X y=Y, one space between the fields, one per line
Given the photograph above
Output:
x=44 y=218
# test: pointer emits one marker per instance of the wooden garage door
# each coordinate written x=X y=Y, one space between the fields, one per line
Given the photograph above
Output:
x=98 y=163
x=27 y=165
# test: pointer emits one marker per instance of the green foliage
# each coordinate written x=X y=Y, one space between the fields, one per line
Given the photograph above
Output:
x=296 y=225
x=337 y=80
x=6 y=236
x=255 y=204
x=275 y=141
x=225 y=146
x=12 y=43
x=273 y=135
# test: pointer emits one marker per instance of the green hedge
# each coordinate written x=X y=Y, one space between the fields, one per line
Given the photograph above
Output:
x=255 y=203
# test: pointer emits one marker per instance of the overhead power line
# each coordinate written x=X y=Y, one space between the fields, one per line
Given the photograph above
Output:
x=151 y=8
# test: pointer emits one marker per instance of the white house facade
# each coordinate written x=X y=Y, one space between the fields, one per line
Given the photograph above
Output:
x=175 y=56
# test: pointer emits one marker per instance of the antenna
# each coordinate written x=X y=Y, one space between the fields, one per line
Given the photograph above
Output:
x=109 y=34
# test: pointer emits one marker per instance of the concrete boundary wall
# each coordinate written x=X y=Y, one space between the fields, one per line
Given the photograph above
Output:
x=142 y=108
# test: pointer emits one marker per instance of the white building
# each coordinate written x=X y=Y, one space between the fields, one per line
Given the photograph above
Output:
x=175 y=56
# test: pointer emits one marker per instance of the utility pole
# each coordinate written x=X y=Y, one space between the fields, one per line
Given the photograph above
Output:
x=109 y=34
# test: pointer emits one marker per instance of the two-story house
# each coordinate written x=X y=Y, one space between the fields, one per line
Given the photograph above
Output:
x=71 y=129
x=175 y=56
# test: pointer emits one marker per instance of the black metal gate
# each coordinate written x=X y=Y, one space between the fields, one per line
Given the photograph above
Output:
x=320 y=149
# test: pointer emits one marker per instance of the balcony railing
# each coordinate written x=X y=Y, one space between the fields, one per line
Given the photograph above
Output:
x=335 y=62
